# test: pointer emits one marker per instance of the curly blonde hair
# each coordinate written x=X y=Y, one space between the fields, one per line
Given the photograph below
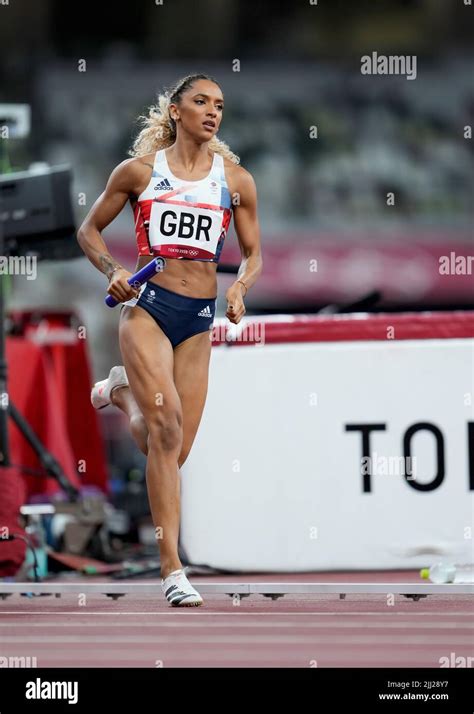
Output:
x=159 y=129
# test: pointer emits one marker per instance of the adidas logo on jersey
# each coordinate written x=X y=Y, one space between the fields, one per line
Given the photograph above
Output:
x=163 y=185
x=206 y=312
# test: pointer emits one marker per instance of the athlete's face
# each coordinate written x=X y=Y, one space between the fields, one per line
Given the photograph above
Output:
x=200 y=109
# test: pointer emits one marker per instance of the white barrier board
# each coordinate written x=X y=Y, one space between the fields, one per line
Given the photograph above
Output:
x=275 y=480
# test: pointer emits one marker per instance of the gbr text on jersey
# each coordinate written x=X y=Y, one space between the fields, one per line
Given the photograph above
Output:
x=176 y=218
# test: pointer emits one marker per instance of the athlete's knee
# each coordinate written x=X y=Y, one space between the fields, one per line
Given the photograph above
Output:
x=165 y=429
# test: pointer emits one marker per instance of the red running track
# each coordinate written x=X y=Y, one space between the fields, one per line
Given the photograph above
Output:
x=293 y=631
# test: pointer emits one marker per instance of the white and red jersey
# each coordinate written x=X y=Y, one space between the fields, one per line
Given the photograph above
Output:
x=175 y=218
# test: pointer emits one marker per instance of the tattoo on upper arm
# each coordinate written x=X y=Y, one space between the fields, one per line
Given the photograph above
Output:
x=108 y=264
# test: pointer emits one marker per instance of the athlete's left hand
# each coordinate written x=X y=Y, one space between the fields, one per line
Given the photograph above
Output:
x=235 y=303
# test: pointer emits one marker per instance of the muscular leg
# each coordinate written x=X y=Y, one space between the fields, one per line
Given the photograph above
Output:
x=149 y=361
x=191 y=371
x=191 y=368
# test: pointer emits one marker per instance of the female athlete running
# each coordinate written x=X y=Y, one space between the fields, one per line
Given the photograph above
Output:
x=184 y=185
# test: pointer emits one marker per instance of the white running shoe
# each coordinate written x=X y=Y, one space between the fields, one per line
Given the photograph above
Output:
x=100 y=394
x=178 y=590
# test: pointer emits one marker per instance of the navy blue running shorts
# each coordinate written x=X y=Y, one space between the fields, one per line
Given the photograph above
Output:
x=178 y=316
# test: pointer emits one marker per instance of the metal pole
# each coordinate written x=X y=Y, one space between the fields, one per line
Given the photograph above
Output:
x=4 y=445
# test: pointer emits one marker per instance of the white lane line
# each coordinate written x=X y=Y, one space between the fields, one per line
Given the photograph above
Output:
x=231 y=657
x=218 y=657
x=316 y=625
x=184 y=639
x=188 y=612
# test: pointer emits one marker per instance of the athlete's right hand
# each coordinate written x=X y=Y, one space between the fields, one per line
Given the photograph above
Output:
x=119 y=288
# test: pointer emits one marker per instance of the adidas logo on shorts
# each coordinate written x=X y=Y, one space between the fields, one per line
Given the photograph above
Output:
x=163 y=185
x=206 y=312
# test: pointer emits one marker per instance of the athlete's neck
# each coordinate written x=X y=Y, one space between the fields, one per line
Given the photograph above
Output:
x=189 y=155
